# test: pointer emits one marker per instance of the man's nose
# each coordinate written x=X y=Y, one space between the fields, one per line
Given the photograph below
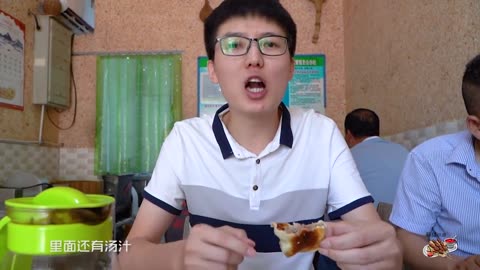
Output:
x=254 y=55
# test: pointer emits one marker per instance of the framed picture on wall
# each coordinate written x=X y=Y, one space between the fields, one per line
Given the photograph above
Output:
x=307 y=89
x=12 y=44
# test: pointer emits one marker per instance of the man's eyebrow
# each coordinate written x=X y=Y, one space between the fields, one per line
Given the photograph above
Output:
x=240 y=34
x=234 y=34
x=266 y=34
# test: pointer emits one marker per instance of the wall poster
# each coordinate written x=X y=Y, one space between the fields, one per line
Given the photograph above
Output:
x=12 y=44
x=306 y=89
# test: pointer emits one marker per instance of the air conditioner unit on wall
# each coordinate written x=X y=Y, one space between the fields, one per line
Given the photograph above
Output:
x=78 y=16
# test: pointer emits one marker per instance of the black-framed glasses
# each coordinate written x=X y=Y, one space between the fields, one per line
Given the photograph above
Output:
x=237 y=45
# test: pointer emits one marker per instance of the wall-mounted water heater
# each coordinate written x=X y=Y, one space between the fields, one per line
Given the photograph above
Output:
x=53 y=50
x=52 y=63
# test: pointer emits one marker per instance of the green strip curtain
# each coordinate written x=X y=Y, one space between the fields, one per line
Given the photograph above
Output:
x=138 y=100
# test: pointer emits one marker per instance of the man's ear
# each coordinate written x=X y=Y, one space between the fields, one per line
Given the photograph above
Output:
x=292 y=68
x=473 y=125
x=212 y=75
x=349 y=138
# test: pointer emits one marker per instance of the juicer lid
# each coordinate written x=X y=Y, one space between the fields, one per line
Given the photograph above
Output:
x=61 y=198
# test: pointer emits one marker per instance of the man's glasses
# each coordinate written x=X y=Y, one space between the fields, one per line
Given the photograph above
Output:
x=237 y=46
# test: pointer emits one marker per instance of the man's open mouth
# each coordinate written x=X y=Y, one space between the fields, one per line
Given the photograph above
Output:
x=255 y=85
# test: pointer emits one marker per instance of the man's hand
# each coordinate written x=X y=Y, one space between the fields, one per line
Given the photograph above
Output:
x=470 y=263
x=216 y=248
x=362 y=245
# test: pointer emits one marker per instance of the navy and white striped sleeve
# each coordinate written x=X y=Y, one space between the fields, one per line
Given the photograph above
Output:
x=164 y=188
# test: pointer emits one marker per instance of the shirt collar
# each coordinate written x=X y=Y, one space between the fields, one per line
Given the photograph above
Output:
x=286 y=134
x=464 y=152
x=371 y=138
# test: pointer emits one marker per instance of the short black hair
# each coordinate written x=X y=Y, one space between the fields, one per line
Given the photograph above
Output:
x=269 y=9
x=471 y=87
x=362 y=122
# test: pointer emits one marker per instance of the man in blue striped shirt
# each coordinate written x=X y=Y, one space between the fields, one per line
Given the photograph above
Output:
x=438 y=196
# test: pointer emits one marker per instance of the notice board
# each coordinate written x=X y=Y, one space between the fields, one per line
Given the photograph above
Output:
x=307 y=89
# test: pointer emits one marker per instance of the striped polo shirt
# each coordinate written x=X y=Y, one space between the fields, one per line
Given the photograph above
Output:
x=439 y=192
x=304 y=172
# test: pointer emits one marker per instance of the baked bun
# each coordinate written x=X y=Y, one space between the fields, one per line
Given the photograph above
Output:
x=298 y=237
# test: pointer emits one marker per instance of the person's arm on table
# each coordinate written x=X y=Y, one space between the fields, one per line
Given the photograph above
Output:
x=469 y=263
x=413 y=253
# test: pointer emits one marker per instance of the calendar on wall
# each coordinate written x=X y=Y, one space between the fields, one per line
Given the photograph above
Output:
x=12 y=46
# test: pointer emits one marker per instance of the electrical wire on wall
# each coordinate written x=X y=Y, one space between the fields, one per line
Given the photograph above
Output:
x=74 y=97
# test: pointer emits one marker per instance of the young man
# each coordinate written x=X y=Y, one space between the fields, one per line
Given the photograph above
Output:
x=439 y=190
x=379 y=161
x=255 y=162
